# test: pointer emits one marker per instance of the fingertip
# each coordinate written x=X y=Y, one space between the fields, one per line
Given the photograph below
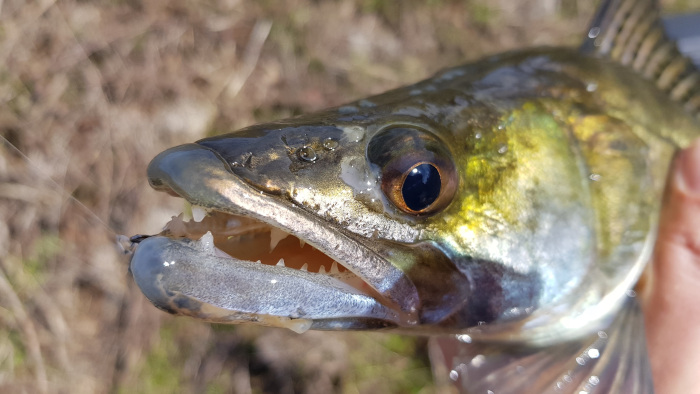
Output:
x=688 y=170
x=678 y=245
x=671 y=309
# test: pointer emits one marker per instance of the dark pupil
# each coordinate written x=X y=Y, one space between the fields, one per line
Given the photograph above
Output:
x=421 y=187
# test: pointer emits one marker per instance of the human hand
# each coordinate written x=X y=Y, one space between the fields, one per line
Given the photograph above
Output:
x=672 y=307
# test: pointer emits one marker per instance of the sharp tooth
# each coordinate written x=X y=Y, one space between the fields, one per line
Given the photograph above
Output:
x=280 y=263
x=322 y=270
x=207 y=242
x=276 y=236
x=198 y=213
x=186 y=214
x=305 y=267
x=334 y=268
x=301 y=243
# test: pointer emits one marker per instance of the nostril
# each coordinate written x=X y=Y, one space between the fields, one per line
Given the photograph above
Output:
x=161 y=186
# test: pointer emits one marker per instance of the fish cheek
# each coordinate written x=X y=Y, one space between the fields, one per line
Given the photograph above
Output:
x=497 y=293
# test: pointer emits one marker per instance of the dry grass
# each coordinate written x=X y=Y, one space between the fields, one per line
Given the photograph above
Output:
x=90 y=91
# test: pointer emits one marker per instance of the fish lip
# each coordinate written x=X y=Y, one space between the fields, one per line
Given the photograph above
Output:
x=200 y=176
x=176 y=276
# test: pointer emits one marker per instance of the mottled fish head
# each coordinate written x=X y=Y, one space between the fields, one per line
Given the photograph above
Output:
x=386 y=213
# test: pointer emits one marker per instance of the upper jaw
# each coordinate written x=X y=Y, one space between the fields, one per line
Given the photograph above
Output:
x=203 y=178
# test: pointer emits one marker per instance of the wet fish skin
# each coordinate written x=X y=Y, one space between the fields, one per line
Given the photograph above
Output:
x=561 y=160
x=512 y=101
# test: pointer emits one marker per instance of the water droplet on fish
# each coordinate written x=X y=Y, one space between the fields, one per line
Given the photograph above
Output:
x=330 y=144
x=367 y=104
x=353 y=133
x=580 y=361
x=567 y=379
x=307 y=153
x=478 y=361
x=594 y=177
x=454 y=375
x=602 y=334
x=631 y=293
x=593 y=380
x=464 y=338
x=503 y=149
x=593 y=353
x=347 y=109
x=591 y=87
x=593 y=33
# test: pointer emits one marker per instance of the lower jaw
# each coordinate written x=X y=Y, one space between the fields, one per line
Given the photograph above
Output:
x=185 y=277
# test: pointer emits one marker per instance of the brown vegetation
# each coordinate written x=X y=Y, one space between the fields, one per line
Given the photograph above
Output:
x=92 y=90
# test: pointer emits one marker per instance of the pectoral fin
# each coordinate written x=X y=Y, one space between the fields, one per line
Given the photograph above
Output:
x=613 y=360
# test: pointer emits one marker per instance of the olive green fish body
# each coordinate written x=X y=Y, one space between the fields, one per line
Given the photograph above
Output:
x=557 y=168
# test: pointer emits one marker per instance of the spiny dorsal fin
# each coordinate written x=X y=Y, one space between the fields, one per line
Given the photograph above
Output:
x=631 y=33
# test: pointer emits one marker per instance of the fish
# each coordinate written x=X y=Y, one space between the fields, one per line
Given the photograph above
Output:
x=510 y=205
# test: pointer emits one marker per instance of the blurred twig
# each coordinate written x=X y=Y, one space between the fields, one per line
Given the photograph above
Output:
x=235 y=81
x=27 y=331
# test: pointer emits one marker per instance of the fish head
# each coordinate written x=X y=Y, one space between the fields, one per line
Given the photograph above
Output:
x=395 y=214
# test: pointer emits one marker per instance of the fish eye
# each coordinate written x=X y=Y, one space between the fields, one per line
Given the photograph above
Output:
x=416 y=169
x=421 y=186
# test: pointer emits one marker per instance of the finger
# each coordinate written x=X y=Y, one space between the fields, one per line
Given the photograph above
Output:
x=672 y=312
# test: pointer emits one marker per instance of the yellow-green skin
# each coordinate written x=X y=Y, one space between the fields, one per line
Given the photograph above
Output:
x=560 y=159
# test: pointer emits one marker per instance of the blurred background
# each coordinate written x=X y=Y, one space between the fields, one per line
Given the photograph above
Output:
x=90 y=91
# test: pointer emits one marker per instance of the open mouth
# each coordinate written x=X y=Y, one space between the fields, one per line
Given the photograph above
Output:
x=233 y=269
x=252 y=257
x=246 y=239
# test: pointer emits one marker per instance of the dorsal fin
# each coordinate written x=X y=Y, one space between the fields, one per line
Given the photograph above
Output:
x=631 y=33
